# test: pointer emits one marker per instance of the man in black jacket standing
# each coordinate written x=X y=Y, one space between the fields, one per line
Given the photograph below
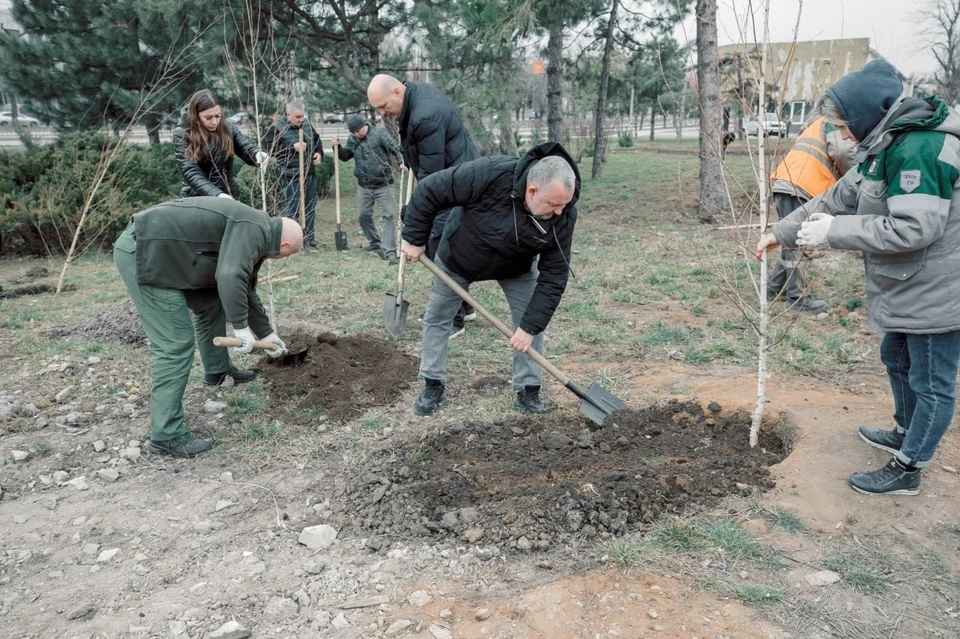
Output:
x=282 y=141
x=433 y=139
x=516 y=227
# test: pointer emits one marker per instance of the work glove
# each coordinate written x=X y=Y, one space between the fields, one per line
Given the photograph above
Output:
x=226 y=195
x=246 y=337
x=262 y=157
x=273 y=338
x=814 y=230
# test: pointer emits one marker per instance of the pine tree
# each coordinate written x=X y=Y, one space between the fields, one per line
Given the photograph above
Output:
x=83 y=64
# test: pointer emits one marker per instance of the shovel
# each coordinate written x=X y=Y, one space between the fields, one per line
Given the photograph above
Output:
x=303 y=198
x=394 y=306
x=339 y=238
x=595 y=403
x=289 y=358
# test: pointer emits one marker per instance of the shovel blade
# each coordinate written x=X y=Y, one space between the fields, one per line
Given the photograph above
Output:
x=394 y=315
x=598 y=403
x=340 y=239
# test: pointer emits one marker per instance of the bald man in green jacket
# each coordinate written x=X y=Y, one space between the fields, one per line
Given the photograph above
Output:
x=200 y=254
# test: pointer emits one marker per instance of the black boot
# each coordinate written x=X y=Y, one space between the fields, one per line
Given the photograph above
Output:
x=184 y=446
x=239 y=377
x=528 y=401
x=433 y=393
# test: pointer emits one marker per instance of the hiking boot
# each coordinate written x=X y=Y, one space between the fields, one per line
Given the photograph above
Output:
x=888 y=440
x=470 y=313
x=184 y=446
x=433 y=393
x=457 y=329
x=806 y=304
x=371 y=247
x=313 y=243
x=239 y=377
x=892 y=479
x=528 y=401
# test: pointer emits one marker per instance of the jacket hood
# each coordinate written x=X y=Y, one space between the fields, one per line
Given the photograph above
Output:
x=534 y=155
x=864 y=97
x=910 y=114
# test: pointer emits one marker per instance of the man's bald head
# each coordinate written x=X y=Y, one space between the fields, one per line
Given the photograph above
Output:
x=385 y=93
x=291 y=238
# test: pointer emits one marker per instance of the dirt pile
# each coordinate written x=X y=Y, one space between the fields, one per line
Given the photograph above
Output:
x=119 y=324
x=341 y=376
x=530 y=483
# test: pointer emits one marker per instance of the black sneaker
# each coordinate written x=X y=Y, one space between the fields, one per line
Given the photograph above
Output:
x=892 y=479
x=470 y=313
x=371 y=247
x=888 y=440
x=239 y=377
x=806 y=304
x=392 y=258
x=457 y=329
x=528 y=401
x=184 y=446
x=433 y=393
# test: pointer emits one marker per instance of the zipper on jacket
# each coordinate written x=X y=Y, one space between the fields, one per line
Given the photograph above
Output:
x=206 y=253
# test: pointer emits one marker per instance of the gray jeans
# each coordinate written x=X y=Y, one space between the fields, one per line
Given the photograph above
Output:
x=387 y=202
x=442 y=306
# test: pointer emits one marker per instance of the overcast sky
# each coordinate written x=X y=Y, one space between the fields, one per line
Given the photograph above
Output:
x=892 y=26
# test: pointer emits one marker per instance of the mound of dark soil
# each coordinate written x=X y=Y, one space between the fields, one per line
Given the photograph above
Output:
x=119 y=324
x=341 y=376
x=549 y=478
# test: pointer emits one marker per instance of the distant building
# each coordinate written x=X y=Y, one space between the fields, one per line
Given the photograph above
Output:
x=797 y=73
x=6 y=17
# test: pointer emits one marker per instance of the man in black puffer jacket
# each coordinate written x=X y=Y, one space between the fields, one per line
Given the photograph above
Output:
x=433 y=138
x=516 y=227
x=282 y=141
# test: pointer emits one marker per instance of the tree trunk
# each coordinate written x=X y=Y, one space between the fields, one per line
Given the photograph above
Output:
x=653 y=118
x=712 y=192
x=599 y=139
x=555 y=83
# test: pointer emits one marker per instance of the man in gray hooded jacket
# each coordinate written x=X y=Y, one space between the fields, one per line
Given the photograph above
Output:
x=376 y=158
x=901 y=209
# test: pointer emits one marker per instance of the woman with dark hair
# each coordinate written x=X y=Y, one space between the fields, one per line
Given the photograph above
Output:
x=205 y=144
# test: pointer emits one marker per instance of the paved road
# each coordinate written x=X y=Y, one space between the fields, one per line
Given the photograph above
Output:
x=46 y=135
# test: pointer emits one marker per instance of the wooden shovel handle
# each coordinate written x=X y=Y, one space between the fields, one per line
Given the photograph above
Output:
x=403 y=258
x=459 y=290
x=303 y=197
x=233 y=342
x=336 y=179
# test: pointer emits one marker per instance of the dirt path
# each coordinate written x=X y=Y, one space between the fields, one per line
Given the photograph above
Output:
x=444 y=528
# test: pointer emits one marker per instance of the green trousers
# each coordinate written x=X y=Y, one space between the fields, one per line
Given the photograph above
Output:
x=166 y=320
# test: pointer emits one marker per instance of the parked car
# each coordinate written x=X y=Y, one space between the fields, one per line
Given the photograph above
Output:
x=6 y=119
x=772 y=124
x=332 y=118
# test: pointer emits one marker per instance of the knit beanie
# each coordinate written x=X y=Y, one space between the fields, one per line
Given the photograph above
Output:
x=864 y=97
x=355 y=123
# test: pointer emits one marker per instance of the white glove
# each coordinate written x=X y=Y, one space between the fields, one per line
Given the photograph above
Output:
x=226 y=195
x=246 y=337
x=814 y=230
x=273 y=338
x=262 y=157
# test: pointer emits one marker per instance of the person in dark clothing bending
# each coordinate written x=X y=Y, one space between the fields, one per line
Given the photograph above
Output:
x=433 y=139
x=516 y=227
